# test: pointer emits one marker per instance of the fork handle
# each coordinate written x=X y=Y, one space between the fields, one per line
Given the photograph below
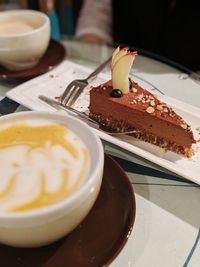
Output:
x=98 y=70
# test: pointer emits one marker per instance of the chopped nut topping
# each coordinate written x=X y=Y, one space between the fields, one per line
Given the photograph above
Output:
x=150 y=110
x=159 y=107
x=134 y=90
x=184 y=126
x=140 y=97
x=152 y=103
x=165 y=109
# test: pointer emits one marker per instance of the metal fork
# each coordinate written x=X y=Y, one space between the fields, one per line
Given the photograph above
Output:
x=75 y=88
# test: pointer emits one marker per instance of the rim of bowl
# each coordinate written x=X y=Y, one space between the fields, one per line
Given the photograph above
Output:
x=78 y=193
x=25 y=11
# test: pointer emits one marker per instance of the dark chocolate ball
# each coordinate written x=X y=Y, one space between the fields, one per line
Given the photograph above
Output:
x=116 y=93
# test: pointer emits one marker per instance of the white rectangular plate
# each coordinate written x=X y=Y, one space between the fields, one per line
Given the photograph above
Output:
x=53 y=83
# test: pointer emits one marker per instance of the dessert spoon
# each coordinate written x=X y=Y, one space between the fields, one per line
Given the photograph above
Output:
x=82 y=115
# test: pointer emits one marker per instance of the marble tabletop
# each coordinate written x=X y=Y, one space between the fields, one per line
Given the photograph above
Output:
x=167 y=225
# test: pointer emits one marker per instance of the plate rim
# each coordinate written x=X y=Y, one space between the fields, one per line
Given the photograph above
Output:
x=133 y=215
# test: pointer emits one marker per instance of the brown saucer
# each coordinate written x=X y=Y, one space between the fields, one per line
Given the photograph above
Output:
x=53 y=56
x=97 y=240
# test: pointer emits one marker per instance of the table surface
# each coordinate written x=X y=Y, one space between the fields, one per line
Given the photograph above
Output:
x=167 y=226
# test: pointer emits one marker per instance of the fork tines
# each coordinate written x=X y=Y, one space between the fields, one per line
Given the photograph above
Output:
x=72 y=92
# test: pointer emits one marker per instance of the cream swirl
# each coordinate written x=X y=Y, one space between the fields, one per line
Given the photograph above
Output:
x=40 y=165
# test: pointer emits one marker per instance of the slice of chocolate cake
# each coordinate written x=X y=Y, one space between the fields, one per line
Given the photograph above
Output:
x=126 y=106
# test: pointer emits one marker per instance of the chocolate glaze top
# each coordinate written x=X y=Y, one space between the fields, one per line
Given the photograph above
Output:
x=143 y=100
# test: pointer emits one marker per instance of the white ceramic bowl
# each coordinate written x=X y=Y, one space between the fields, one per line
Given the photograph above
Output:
x=23 y=50
x=44 y=225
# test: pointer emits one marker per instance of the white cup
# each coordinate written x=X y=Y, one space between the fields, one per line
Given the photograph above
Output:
x=46 y=224
x=23 y=50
